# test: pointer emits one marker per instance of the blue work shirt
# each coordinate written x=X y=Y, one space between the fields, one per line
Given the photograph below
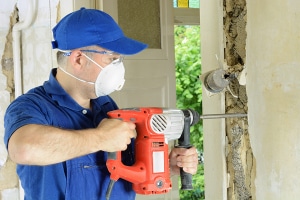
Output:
x=82 y=178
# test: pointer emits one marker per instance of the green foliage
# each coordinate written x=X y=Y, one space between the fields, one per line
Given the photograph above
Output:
x=188 y=70
x=189 y=92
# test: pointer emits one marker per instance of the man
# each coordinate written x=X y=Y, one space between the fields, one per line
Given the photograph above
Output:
x=59 y=134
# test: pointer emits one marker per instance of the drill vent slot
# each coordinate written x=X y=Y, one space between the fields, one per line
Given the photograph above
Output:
x=158 y=144
x=159 y=123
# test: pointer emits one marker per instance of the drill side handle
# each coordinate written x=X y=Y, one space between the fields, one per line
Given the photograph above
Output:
x=184 y=142
x=186 y=178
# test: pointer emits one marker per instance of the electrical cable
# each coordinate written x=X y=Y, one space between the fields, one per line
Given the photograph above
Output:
x=109 y=189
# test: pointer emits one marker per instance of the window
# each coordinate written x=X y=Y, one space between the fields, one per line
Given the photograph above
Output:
x=186 y=12
x=186 y=3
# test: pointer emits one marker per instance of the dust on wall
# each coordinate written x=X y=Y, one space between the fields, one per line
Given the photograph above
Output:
x=239 y=156
x=9 y=179
x=7 y=57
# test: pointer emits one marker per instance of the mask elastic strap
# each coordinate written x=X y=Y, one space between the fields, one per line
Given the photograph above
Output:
x=92 y=61
x=76 y=77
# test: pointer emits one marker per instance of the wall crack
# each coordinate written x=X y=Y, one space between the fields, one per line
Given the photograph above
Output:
x=240 y=160
x=7 y=56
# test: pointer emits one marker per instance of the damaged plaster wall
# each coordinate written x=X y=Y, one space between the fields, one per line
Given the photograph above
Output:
x=273 y=89
x=34 y=41
x=272 y=102
x=263 y=158
x=239 y=156
x=7 y=57
x=8 y=177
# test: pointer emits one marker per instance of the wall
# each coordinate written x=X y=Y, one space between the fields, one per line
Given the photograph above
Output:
x=241 y=163
x=229 y=163
x=8 y=178
x=273 y=88
x=262 y=153
x=35 y=69
x=215 y=173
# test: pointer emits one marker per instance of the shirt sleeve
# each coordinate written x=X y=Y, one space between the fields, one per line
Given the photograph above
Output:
x=22 y=111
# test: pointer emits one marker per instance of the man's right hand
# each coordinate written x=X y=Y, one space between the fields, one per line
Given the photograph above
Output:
x=114 y=134
x=43 y=145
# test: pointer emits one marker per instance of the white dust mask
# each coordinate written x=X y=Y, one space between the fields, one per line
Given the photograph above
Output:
x=110 y=78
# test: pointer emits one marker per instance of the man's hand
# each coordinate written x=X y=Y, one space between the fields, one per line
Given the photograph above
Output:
x=35 y=144
x=185 y=158
x=114 y=134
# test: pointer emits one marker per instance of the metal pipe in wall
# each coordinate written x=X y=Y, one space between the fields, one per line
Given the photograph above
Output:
x=16 y=35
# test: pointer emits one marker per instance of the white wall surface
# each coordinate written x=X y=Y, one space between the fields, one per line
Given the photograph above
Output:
x=211 y=12
x=36 y=63
x=38 y=55
x=273 y=85
x=5 y=12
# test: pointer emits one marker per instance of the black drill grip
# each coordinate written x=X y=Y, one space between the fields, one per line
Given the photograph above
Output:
x=186 y=180
x=191 y=117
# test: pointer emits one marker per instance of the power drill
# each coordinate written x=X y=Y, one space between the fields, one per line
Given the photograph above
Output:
x=155 y=126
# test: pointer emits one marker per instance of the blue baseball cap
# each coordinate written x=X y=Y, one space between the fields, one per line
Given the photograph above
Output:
x=87 y=27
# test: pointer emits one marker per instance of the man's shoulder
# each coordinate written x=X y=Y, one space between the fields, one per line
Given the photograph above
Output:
x=36 y=95
x=37 y=92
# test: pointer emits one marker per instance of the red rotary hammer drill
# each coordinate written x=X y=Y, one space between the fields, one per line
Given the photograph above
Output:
x=155 y=126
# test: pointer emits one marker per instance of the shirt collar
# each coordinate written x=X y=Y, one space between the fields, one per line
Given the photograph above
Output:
x=58 y=94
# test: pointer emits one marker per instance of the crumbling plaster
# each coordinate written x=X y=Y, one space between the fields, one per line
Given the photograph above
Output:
x=268 y=141
x=34 y=41
x=8 y=177
x=239 y=156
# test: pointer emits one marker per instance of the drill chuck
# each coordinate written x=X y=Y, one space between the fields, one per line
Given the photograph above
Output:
x=195 y=117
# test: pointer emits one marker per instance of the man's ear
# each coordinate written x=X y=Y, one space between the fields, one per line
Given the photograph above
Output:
x=77 y=59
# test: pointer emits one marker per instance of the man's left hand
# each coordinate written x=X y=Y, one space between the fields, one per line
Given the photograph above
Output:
x=185 y=158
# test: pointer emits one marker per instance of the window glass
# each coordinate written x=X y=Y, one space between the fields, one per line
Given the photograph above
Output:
x=186 y=3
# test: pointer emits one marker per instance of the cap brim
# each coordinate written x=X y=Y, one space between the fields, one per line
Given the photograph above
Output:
x=125 y=46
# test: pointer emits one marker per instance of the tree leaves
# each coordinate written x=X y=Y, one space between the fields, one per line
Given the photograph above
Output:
x=188 y=70
x=189 y=93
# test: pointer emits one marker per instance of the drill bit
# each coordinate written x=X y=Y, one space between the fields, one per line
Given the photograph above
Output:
x=218 y=116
